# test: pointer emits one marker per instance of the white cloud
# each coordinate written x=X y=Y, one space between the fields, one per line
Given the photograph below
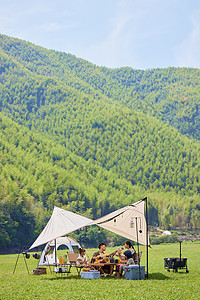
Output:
x=187 y=52
x=54 y=27
x=126 y=31
x=119 y=27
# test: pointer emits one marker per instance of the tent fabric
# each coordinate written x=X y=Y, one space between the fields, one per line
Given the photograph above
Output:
x=129 y=222
x=61 y=223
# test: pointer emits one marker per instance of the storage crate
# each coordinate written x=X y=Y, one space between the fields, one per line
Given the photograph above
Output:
x=90 y=274
x=39 y=271
x=134 y=272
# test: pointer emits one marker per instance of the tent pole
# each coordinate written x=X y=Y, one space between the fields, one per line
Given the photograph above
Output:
x=147 y=241
x=17 y=259
x=55 y=254
x=138 y=248
x=23 y=253
x=137 y=236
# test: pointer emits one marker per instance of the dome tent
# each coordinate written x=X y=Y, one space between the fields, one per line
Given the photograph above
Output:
x=166 y=232
x=48 y=254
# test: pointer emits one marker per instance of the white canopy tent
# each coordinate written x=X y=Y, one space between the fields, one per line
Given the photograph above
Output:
x=129 y=222
x=61 y=223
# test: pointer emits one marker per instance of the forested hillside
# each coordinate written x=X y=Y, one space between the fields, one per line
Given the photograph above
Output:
x=91 y=139
x=171 y=94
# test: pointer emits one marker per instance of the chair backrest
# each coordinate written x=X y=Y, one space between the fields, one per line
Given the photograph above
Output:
x=72 y=258
x=137 y=257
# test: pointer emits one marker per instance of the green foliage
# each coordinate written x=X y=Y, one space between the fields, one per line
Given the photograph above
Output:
x=90 y=237
x=91 y=139
x=163 y=239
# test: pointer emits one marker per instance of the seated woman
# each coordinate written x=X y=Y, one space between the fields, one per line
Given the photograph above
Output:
x=81 y=259
x=127 y=246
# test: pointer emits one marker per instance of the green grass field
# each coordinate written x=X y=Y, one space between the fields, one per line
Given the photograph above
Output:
x=160 y=285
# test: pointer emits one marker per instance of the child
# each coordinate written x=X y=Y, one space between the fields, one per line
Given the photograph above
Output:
x=129 y=256
x=81 y=259
x=129 y=261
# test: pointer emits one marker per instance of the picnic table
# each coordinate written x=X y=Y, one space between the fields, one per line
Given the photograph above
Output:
x=99 y=266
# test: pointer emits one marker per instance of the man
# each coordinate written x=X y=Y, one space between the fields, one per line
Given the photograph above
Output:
x=100 y=254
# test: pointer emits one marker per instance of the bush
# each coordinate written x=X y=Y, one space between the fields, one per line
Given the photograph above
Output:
x=163 y=239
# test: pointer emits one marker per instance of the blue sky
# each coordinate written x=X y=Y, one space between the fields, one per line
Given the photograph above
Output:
x=141 y=34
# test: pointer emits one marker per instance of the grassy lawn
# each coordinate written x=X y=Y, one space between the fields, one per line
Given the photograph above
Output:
x=160 y=285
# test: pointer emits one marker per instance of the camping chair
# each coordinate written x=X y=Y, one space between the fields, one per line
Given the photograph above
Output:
x=72 y=257
x=137 y=258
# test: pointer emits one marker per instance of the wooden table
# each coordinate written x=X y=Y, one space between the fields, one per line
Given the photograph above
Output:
x=99 y=266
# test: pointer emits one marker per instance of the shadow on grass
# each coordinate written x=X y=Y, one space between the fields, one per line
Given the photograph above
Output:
x=181 y=272
x=75 y=277
x=62 y=277
x=158 y=276
x=152 y=276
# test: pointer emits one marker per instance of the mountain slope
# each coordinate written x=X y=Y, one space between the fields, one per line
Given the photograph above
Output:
x=37 y=174
x=169 y=94
x=91 y=139
x=99 y=128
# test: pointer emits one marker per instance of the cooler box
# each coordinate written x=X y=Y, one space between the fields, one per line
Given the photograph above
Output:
x=90 y=274
x=134 y=272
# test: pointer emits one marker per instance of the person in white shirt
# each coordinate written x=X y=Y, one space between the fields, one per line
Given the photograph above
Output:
x=82 y=259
